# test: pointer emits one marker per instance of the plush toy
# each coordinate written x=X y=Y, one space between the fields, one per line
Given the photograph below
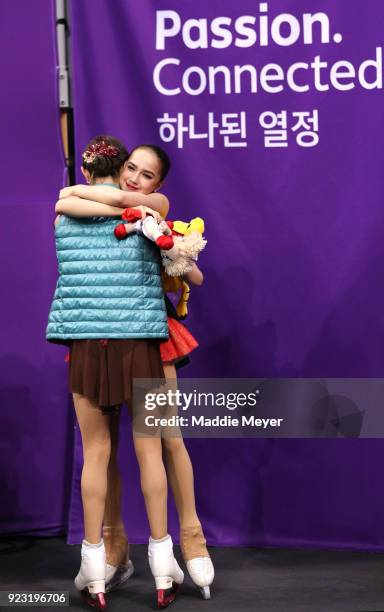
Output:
x=174 y=284
x=159 y=233
x=180 y=242
x=188 y=244
x=188 y=239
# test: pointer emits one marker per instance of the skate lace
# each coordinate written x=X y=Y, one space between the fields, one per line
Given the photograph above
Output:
x=201 y=564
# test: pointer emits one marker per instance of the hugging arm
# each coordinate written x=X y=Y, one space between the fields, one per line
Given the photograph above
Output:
x=116 y=197
x=77 y=207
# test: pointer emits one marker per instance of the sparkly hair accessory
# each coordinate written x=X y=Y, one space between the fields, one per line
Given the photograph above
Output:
x=100 y=148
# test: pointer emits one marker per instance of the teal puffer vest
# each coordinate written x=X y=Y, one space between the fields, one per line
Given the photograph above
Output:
x=107 y=288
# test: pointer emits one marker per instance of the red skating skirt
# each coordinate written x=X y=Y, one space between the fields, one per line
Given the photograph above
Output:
x=180 y=342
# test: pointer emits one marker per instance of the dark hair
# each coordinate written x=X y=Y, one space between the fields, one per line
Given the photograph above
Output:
x=165 y=162
x=104 y=156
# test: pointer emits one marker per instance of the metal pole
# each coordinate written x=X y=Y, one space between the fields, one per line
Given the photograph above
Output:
x=62 y=32
x=64 y=85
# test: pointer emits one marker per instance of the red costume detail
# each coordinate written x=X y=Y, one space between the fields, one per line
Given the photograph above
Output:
x=180 y=343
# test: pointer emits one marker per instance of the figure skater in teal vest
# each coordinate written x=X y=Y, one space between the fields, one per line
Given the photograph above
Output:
x=109 y=307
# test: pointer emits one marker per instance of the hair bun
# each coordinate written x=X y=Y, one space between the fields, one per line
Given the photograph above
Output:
x=99 y=149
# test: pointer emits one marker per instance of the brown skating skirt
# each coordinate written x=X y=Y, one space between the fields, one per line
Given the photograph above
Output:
x=103 y=370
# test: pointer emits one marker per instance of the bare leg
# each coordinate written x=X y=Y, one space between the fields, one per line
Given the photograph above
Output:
x=96 y=449
x=153 y=483
x=115 y=538
x=180 y=471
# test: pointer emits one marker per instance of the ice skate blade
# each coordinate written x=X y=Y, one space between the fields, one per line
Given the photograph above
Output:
x=120 y=577
x=167 y=596
x=205 y=592
x=95 y=601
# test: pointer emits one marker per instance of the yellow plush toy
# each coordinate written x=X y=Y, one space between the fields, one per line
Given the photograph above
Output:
x=174 y=284
x=188 y=243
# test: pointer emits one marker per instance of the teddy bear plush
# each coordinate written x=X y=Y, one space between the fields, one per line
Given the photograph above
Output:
x=188 y=244
x=180 y=243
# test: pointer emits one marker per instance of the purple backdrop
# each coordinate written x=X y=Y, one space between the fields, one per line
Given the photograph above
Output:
x=292 y=268
x=36 y=426
x=295 y=247
x=295 y=240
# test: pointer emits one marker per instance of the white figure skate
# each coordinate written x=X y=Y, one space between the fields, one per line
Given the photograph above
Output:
x=90 y=580
x=165 y=570
x=197 y=559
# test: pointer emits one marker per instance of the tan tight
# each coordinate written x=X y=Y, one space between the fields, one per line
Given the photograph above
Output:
x=113 y=501
x=180 y=471
x=95 y=435
x=149 y=453
x=115 y=538
x=100 y=443
x=153 y=479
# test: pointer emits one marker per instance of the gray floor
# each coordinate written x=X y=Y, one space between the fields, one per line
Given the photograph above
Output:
x=246 y=579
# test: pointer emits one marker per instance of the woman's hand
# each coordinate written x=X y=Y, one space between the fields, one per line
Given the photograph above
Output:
x=145 y=211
